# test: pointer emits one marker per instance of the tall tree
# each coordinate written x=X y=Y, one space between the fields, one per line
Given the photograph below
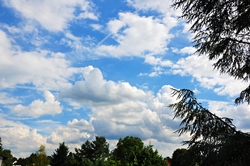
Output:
x=131 y=151
x=60 y=156
x=6 y=154
x=222 y=32
x=1 y=145
x=99 y=148
x=41 y=157
x=8 y=158
x=127 y=149
x=214 y=140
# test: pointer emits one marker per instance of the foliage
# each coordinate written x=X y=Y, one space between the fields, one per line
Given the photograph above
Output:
x=221 y=31
x=214 y=140
x=132 y=152
x=8 y=158
x=6 y=154
x=1 y=145
x=129 y=151
x=60 y=157
x=41 y=158
x=178 y=157
x=92 y=151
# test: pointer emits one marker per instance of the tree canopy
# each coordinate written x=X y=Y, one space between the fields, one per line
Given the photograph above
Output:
x=60 y=156
x=214 y=140
x=131 y=151
x=93 y=150
x=221 y=29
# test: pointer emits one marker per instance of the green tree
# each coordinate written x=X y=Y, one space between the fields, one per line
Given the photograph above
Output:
x=221 y=29
x=97 y=149
x=71 y=160
x=1 y=145
x=8 y=158
x=41 y=158
x=178 y=157
x=127 y=149
x=214 y=140
x=132 y=152
x=6 y=154
x=60 y=156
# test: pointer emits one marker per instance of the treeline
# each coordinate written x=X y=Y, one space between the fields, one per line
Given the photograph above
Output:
x=129 y=151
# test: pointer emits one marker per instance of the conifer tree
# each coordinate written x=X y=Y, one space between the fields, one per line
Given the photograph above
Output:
x=222 y=32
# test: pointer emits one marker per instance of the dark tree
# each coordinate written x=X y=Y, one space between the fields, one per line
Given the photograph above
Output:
x=214 y=140
x=60 y=156
x=93 y=150
x=132 y=152
x=222 y=32
x=178 y=157
x=1 y=145
x=127 y=149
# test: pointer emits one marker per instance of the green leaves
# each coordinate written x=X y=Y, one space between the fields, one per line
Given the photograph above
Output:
x=132 y=152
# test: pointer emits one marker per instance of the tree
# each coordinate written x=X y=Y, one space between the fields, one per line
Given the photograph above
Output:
x=41 y=158
x=1 y=145
x=8 y=158
x=127 y=149
x=60 y=157
x=97 y=149
x=222 y=31
x=132 y=152
x=6 y=154
x=178 y=157
x=214 y=140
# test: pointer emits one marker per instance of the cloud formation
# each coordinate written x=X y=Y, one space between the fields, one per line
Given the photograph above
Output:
x=38 y=107
x=51 y=14
x=135 y=36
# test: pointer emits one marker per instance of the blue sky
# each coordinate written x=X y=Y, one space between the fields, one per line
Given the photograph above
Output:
x=70 y=70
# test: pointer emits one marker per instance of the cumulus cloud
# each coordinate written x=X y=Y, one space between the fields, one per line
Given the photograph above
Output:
x=43 y=69
x=21 y=140
x=51 y=14
x=68 y=135
x=38 y=107
x=118 y=109
x=200 y=68
x=136 y=36
x=95 y=90
x=240 y=114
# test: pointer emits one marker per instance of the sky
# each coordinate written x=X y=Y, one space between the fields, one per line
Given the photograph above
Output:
x=73 y=70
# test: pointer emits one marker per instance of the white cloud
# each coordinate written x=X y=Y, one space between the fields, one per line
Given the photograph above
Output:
x=68 y=135
x=152 y=60
x=41 y=68
x=200 y=68
x=51 y=14
x=118 y=109
x=161 y=6
x=240 y=114
x=96 y=90
x=185 y=50
x=6 y=99
x=82 y=125
x=38 y=107
x=136 y=36
x=21 y=140
x=96 y=27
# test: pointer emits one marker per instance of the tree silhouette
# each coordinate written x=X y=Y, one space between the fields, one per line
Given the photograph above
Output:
x=221 y=29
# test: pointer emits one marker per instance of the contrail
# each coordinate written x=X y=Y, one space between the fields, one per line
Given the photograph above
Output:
x=104 y=39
